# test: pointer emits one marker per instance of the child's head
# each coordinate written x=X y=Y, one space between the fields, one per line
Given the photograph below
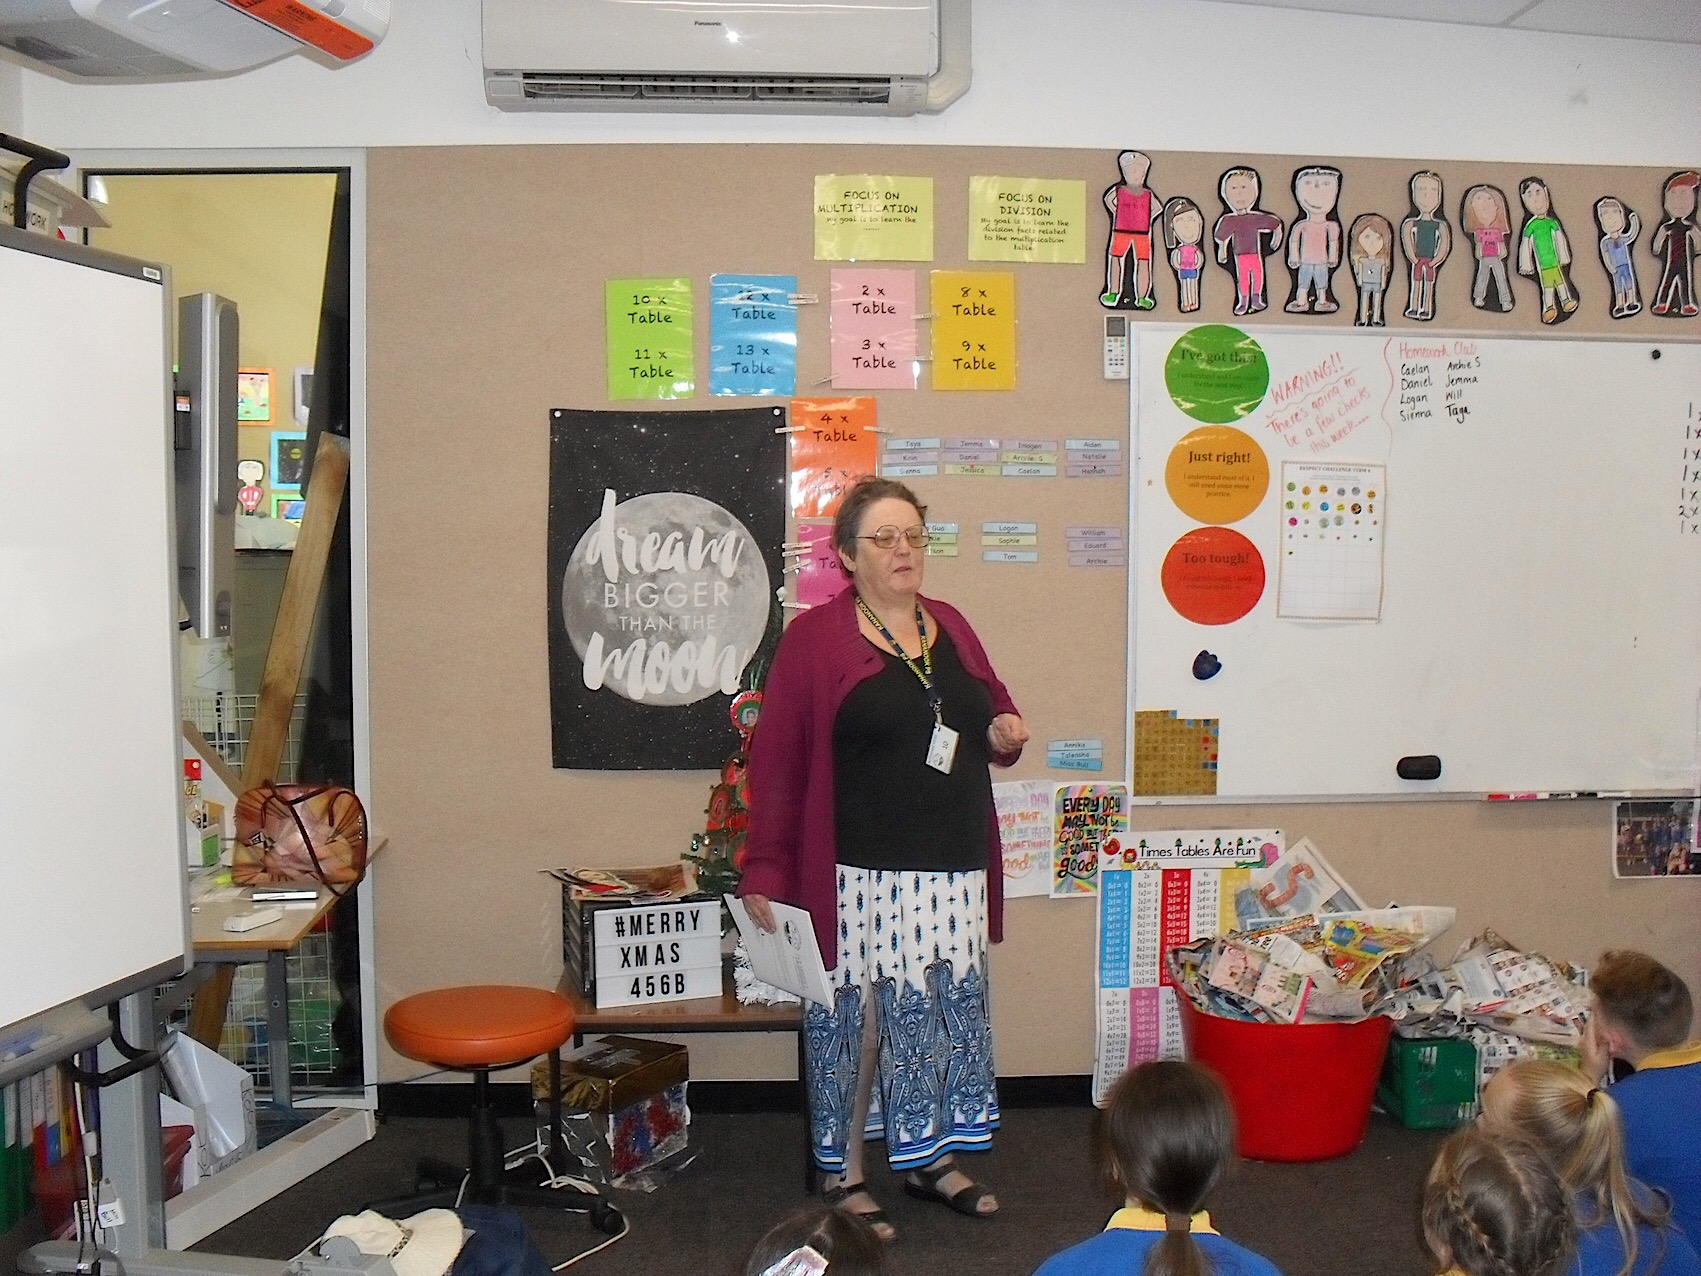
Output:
x=1609 y=215
x=1679 y=193
x=1167 y=1136
x=1426 y=192
x=1485 y=206
x=1495 y=1206
x=1134 y=165
x=1370 y=237
x=1642 y=1005
x=1577 y=1126
x=1533 y=192
x=847 y=1243
x=1239 y=189
x=1186 y=223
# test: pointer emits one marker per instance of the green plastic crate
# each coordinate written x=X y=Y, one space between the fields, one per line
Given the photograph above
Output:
x=1429 y=1083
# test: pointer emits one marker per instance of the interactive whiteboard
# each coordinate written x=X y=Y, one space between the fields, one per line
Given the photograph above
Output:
x=91 y=814
x=1486 y=552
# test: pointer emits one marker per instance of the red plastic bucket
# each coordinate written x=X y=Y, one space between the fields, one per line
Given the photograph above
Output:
x=1301 y=1092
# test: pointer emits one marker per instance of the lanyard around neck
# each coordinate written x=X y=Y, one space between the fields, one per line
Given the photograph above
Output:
x=924 y=670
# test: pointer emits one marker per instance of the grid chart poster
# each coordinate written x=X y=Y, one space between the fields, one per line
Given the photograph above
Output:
x=1332 y=540
x=1142 y=913
x=665 y=531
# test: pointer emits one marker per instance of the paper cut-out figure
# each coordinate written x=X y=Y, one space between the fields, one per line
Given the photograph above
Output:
x=1370 y=252
x=1619 y=227
x=1676 y=243
x=1487 y=223
x=1314 y=240
x=1545 y=252
x=1135 y=212
x=1426 y=239
x=1184 y=232
x=252 y=473
x=1249 y=233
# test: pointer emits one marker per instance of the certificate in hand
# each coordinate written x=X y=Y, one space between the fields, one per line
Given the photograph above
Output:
x=787 y=956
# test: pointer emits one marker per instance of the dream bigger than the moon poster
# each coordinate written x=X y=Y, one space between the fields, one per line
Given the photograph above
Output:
x=664 y=558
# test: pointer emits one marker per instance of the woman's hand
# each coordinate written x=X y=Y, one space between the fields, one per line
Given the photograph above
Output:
x=760 y=912
x=1007 y=734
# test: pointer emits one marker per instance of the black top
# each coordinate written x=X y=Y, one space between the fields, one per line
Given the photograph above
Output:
x=891 y=810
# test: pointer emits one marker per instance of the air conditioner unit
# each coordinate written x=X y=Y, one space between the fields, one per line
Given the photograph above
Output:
x=169 y=39
x=872 y=57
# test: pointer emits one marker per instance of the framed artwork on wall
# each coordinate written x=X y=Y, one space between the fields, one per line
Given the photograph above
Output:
x=303 y=388
x=288 y=507
x=254 y=394
x=289 y=459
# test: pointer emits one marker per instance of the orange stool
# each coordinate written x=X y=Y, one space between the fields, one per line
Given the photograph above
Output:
x=482 y=1028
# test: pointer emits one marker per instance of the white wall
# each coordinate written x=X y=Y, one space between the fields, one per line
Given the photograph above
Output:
x=11 y=99
x=1044 y=75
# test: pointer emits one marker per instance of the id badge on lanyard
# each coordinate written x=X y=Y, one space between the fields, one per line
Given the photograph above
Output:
x=942 y=748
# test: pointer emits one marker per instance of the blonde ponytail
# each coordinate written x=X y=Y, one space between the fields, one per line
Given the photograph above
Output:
x=1578 y=1125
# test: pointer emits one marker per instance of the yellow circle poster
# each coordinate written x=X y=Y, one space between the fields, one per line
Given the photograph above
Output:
x=1217 y=474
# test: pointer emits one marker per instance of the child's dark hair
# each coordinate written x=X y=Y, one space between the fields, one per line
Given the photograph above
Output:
x=847 y=1243
x=1167 y=1138
x=1495 y=1206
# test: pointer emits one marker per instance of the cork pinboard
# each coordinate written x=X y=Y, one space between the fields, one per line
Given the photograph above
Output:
x=486 y=272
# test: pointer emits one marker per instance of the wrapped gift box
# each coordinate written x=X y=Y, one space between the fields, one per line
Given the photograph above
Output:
x=633 y=1091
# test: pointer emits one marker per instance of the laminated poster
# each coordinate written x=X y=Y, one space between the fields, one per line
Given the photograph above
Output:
x=1027 y=219
x=1090 y=820
x=819 y=577
x=1332 y=516
x=872 y=317
x=1142 y=913
x=649 y=325
x=974 y=330
x=873 y=217
x=752 y=334
x=832 y=445
x=1024 y=829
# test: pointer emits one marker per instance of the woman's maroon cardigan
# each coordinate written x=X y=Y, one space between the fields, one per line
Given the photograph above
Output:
x=790 y=848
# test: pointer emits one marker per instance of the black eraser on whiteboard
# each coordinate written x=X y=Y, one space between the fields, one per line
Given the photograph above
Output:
x=1420 y=766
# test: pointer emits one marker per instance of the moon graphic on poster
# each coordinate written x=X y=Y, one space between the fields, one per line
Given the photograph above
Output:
x=665 y=599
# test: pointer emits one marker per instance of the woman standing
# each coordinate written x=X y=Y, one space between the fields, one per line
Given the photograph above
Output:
x=871 y=806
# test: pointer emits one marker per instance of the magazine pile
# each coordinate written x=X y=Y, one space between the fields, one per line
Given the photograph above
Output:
x=1307 y=950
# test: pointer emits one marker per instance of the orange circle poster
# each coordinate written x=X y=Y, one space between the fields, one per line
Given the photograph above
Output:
x=1217 y=474
x=1213 y=575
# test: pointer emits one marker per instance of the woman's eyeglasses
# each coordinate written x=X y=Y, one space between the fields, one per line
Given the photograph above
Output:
x=887 y=537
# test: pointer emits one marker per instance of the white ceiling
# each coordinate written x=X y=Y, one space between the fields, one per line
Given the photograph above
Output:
x=1670 y=20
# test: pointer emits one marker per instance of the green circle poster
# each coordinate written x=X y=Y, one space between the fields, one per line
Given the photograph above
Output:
x=1216 y=373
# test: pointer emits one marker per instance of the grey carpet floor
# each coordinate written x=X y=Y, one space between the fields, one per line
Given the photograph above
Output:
x=1355 y=1213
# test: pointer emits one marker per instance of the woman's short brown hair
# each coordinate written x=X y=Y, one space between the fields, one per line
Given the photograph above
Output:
x=864 y=492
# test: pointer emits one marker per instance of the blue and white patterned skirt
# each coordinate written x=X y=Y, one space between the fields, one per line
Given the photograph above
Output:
x=912 y=946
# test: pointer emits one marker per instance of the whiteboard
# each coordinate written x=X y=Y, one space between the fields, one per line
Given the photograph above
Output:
x=1539 y=625
x=91 y=816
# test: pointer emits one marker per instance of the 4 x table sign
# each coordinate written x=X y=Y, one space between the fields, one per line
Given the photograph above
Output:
x=658 y=952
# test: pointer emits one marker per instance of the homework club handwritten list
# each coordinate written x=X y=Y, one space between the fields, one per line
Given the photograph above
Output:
x=974 y=330
x=649 y=324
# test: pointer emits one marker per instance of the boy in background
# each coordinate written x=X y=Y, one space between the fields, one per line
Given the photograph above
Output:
x=1642 y=1015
